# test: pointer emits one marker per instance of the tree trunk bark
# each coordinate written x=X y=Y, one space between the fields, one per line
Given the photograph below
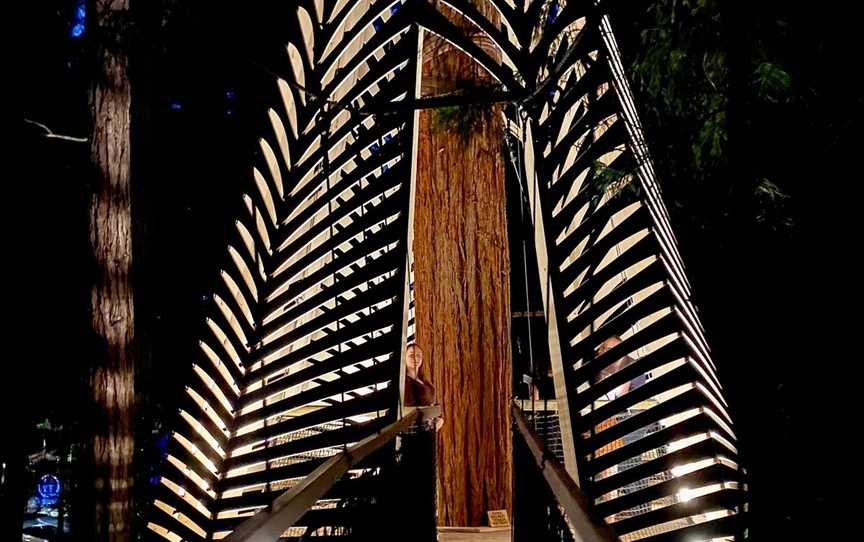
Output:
x=112 y=319
x=462 y=290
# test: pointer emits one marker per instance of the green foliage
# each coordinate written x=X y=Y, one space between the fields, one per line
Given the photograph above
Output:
x=464 y=118
x=772 y=82
x=608 y=180
x=683 y=68
x=772 y=206
x=460 y=119
x=710 y=77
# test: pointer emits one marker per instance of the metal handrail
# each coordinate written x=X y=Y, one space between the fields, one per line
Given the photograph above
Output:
x=576 y=505
x=269 y=523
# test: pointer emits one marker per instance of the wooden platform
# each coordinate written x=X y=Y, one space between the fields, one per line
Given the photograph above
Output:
x=474 y=534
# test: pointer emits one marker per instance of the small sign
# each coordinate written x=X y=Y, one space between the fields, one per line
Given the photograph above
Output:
x=498 y=518
x=527 y=379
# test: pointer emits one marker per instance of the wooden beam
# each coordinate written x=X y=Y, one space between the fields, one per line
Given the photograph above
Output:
x=553 y=337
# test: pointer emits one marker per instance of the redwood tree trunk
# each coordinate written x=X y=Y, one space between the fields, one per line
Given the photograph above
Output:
x=111 y=378
x=463 y=298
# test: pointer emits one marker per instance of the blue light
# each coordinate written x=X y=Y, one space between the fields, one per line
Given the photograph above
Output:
x=394 y=9
x=229 y=94
x=79 y=20
x=377 y=24
x=554 y=10
x=162 y=443
x=49 y=487
x=176 y=106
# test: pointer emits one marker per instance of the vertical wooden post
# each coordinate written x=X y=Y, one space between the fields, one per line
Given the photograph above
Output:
x=553 y=338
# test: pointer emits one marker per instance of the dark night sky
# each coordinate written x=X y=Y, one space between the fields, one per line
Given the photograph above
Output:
x=770 y=312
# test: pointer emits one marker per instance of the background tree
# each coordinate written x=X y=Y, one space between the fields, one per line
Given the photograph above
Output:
x=754 y=127
x=112 y=387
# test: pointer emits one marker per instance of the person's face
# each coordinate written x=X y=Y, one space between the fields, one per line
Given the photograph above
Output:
x=606 y=345
x=414 y=358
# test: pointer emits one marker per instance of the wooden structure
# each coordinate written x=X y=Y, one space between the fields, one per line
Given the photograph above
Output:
x=303 y=354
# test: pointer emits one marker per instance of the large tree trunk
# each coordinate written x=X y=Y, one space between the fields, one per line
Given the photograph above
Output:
x=112 y=376
x=462 y=289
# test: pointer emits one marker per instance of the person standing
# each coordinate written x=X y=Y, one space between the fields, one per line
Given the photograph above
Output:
x=417 y=392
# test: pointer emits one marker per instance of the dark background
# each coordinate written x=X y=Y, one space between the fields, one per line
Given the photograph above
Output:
x=778 y=304
x=778 y=295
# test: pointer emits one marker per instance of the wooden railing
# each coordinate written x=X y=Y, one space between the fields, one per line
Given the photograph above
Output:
x=269 y=524
x=548 y=505
x=566 y=513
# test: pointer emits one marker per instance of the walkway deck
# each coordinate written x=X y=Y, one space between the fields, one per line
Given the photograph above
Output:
x=474 y=534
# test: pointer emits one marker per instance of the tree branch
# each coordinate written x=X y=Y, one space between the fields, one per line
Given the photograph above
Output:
x=50 y=133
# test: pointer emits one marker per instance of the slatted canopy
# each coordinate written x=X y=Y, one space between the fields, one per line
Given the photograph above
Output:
x=303 y=352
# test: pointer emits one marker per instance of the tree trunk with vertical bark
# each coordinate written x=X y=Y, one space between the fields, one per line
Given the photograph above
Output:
x=112 y=374
x=462 y=273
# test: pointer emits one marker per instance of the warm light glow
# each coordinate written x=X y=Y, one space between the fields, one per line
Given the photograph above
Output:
x=685 y=494
x=181 y=517
x=191 y=475
x=196 y=453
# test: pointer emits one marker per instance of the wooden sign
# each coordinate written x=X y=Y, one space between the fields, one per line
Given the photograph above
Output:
x=498 y=518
